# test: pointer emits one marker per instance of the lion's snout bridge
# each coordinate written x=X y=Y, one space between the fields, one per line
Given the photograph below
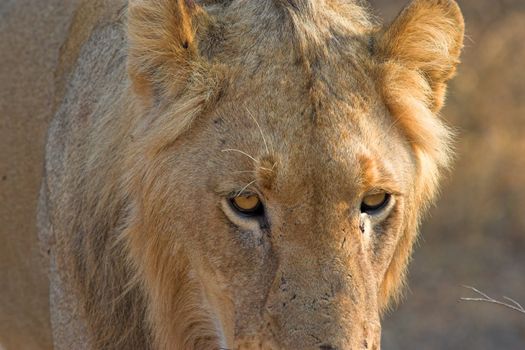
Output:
x=315 y=301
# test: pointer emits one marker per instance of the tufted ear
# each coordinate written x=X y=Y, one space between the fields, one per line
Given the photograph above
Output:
x=427 y=36
x=163 y=53
x=417 y=55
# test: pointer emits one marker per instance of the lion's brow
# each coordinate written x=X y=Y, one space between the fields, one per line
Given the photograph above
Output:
x=375 y=175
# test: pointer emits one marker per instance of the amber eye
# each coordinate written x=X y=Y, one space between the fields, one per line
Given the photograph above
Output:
x=249 y=205
x=374 y=202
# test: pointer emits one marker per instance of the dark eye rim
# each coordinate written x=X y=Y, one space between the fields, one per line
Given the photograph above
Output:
x=371 y=210
x=258 y=211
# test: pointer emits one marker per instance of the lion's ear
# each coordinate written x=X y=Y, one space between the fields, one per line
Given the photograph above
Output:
x=162 y=38
x=427 y=36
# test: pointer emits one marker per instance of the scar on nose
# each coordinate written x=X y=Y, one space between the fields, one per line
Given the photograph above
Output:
x=267 y=171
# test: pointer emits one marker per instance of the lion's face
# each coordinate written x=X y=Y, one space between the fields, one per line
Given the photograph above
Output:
x=283 y=213
x=290 y=231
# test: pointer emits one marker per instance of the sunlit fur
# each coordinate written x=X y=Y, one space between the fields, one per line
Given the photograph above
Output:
x=279 y=75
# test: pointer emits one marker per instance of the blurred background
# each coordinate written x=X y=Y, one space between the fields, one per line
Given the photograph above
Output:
x=475 y=235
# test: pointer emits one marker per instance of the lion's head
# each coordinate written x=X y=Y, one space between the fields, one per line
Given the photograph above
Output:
x=280 y=156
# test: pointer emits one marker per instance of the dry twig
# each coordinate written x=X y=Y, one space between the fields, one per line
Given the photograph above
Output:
x=510 y=303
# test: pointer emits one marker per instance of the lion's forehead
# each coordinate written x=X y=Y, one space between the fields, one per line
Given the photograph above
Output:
x=297 y=153
x=337 y=170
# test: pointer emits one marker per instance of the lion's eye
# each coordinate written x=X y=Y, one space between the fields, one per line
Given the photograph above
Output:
x=374 y=202
x=249 y=205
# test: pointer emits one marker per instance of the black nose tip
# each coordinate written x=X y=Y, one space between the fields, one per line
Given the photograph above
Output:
x=327 y=347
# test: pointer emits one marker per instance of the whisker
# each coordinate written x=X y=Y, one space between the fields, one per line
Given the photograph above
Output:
x=244 y=172
x=241 y=152
x=244 y=188
x=260 y=130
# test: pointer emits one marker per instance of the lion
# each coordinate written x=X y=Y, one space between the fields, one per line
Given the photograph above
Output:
x=243 y=174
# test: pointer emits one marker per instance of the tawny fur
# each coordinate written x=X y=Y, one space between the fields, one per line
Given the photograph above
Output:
x=320 y=105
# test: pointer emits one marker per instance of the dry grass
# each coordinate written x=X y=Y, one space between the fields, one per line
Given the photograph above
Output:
x=508 y=303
